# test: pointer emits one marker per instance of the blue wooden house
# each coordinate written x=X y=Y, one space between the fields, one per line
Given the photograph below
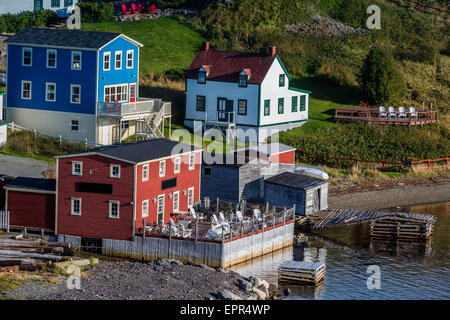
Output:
x=79 y=85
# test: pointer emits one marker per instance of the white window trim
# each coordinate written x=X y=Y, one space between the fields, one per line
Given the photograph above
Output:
x=111 y=202
x=72 y=125
x=107 y=54
x=192 y=163
x=71 y=93
x=23 y=57
x=175 y=209
x=115 y=60
x=142 y=208
x=81 y=59
x=143 y=167
x=193 y=193
x=56 y=58
x=132 y=59
x=31 y=89
x=46 y=91
x=72 y=201
x=177 y=160
x=111 y=170
x=163 y=207
x=159 y=168
x=115 y=86
x=73 y=168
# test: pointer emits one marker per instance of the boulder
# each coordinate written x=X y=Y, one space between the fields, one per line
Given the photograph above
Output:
x=228 y=295
x=245 y=285
x=261 y=294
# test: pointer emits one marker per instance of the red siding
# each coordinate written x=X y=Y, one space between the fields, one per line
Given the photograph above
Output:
x=147 y=190
x=94 y=221
x=33 y=210
x=285 y=157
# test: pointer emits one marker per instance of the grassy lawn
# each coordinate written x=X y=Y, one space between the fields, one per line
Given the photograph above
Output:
x=168 y=44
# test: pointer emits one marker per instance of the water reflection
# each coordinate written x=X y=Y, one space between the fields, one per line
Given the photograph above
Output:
x=408 y=270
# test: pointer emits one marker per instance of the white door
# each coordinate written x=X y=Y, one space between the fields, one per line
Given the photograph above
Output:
x=105 y=135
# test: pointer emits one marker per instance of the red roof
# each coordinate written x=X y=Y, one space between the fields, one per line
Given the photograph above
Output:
x=227 y=65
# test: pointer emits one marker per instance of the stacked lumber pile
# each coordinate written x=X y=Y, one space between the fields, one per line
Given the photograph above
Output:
x=402 y=228
x=30 y=255
x=301 y=272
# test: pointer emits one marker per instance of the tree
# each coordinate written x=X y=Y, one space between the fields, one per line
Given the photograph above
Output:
x=381 y=83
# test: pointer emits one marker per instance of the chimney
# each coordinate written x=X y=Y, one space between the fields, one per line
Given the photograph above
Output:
x=205 y=46
x=272 y=51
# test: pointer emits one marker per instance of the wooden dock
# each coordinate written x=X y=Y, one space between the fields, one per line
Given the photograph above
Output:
x=301 y=272
x=398 y=225
x=372 y=116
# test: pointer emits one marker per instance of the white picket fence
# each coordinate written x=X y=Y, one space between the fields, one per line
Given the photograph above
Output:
x=4 y=220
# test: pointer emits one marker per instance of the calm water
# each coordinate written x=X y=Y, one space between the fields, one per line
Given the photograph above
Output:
x=407 y=271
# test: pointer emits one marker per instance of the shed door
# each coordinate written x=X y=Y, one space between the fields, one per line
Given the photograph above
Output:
x=316 y=200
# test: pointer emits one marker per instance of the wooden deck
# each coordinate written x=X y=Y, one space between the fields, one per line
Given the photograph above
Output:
x=372 y=115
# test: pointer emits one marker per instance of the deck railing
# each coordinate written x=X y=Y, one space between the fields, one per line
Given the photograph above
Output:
x=121 y=109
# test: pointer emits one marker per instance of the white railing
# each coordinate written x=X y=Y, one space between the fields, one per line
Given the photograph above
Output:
x=4 y=220
x=142 y=106
x=222 y=117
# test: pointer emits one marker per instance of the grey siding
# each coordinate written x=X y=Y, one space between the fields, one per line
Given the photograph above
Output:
x=223 y=183
x=281 y=196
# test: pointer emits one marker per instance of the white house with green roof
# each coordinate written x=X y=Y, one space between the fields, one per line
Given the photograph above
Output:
x=249 y=94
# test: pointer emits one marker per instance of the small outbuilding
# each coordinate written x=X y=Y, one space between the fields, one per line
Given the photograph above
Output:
x=272 y=152
x=307 y=193
x=31 y=203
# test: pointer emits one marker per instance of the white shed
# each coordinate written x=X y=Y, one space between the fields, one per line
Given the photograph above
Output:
x=3 y=123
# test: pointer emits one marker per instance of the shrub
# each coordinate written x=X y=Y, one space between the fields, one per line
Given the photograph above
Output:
x=381 y=83
x=96 y=11
x=13 y=23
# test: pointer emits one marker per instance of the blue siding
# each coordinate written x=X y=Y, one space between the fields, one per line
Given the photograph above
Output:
x=118 y=76
x=63 y=76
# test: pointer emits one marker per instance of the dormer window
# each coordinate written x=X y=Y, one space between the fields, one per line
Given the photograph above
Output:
x=201 y=76
x=243 y=79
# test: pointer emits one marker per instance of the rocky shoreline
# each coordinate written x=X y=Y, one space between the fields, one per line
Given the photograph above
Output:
x=163 y=279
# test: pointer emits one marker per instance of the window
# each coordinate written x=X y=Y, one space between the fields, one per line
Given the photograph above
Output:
x=242 y=107
x=125 y=124
x=118 y=63
x=243 y=79
x=130 y=54
x=162 y=168
x=75 y=125
x=208 y=172
x=145 y=209
x=294 y=104
x=50 y=94
x=176 y=201
x=190 y=197
x=77 y=168
x=280 y=105
x=191 y=161
x=75 y=206
x=201 y=77
x=116 y=93
x=114 y=171
x=27 y=57
x=282 y=80
x=145 y=172
x=169 y=183
x=266 y=107
x=56 y=3
x=302 y=103
x=51 y=58
x=68 y=3
x=26 y=90
x=107 y=61
x=176 y=166
x=75 y=93
x=76 y=60
x=160 y=209
x=201 y=101
x=114 y=209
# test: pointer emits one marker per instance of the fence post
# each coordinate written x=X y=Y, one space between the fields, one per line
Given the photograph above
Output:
x=196 y=230
x=35 y=134
x=429 y=164
x=60 y=140
x=242 y=230
x=170 y=239
x=86 y=143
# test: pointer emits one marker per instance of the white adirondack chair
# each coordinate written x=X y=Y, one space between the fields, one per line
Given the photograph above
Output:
x=222 y=217
x=391 y=112
x=214 y=220
x=412 y=112
x=382 y=112
x=257 y=214
x=239 y=216
x=401 y=112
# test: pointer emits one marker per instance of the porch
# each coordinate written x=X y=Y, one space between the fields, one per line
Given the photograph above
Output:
x=143 y=118
x=223 y=121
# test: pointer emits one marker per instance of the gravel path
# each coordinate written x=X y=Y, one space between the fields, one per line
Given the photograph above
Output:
x=138 y=281
x=399 y=196
x=25 y=167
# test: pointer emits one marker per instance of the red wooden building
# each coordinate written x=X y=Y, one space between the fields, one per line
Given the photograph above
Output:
x=106 y=192
x=272 y=152
x=31 y=203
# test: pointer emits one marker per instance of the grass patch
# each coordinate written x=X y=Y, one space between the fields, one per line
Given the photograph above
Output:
x=169 y=45
x=9 y=281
